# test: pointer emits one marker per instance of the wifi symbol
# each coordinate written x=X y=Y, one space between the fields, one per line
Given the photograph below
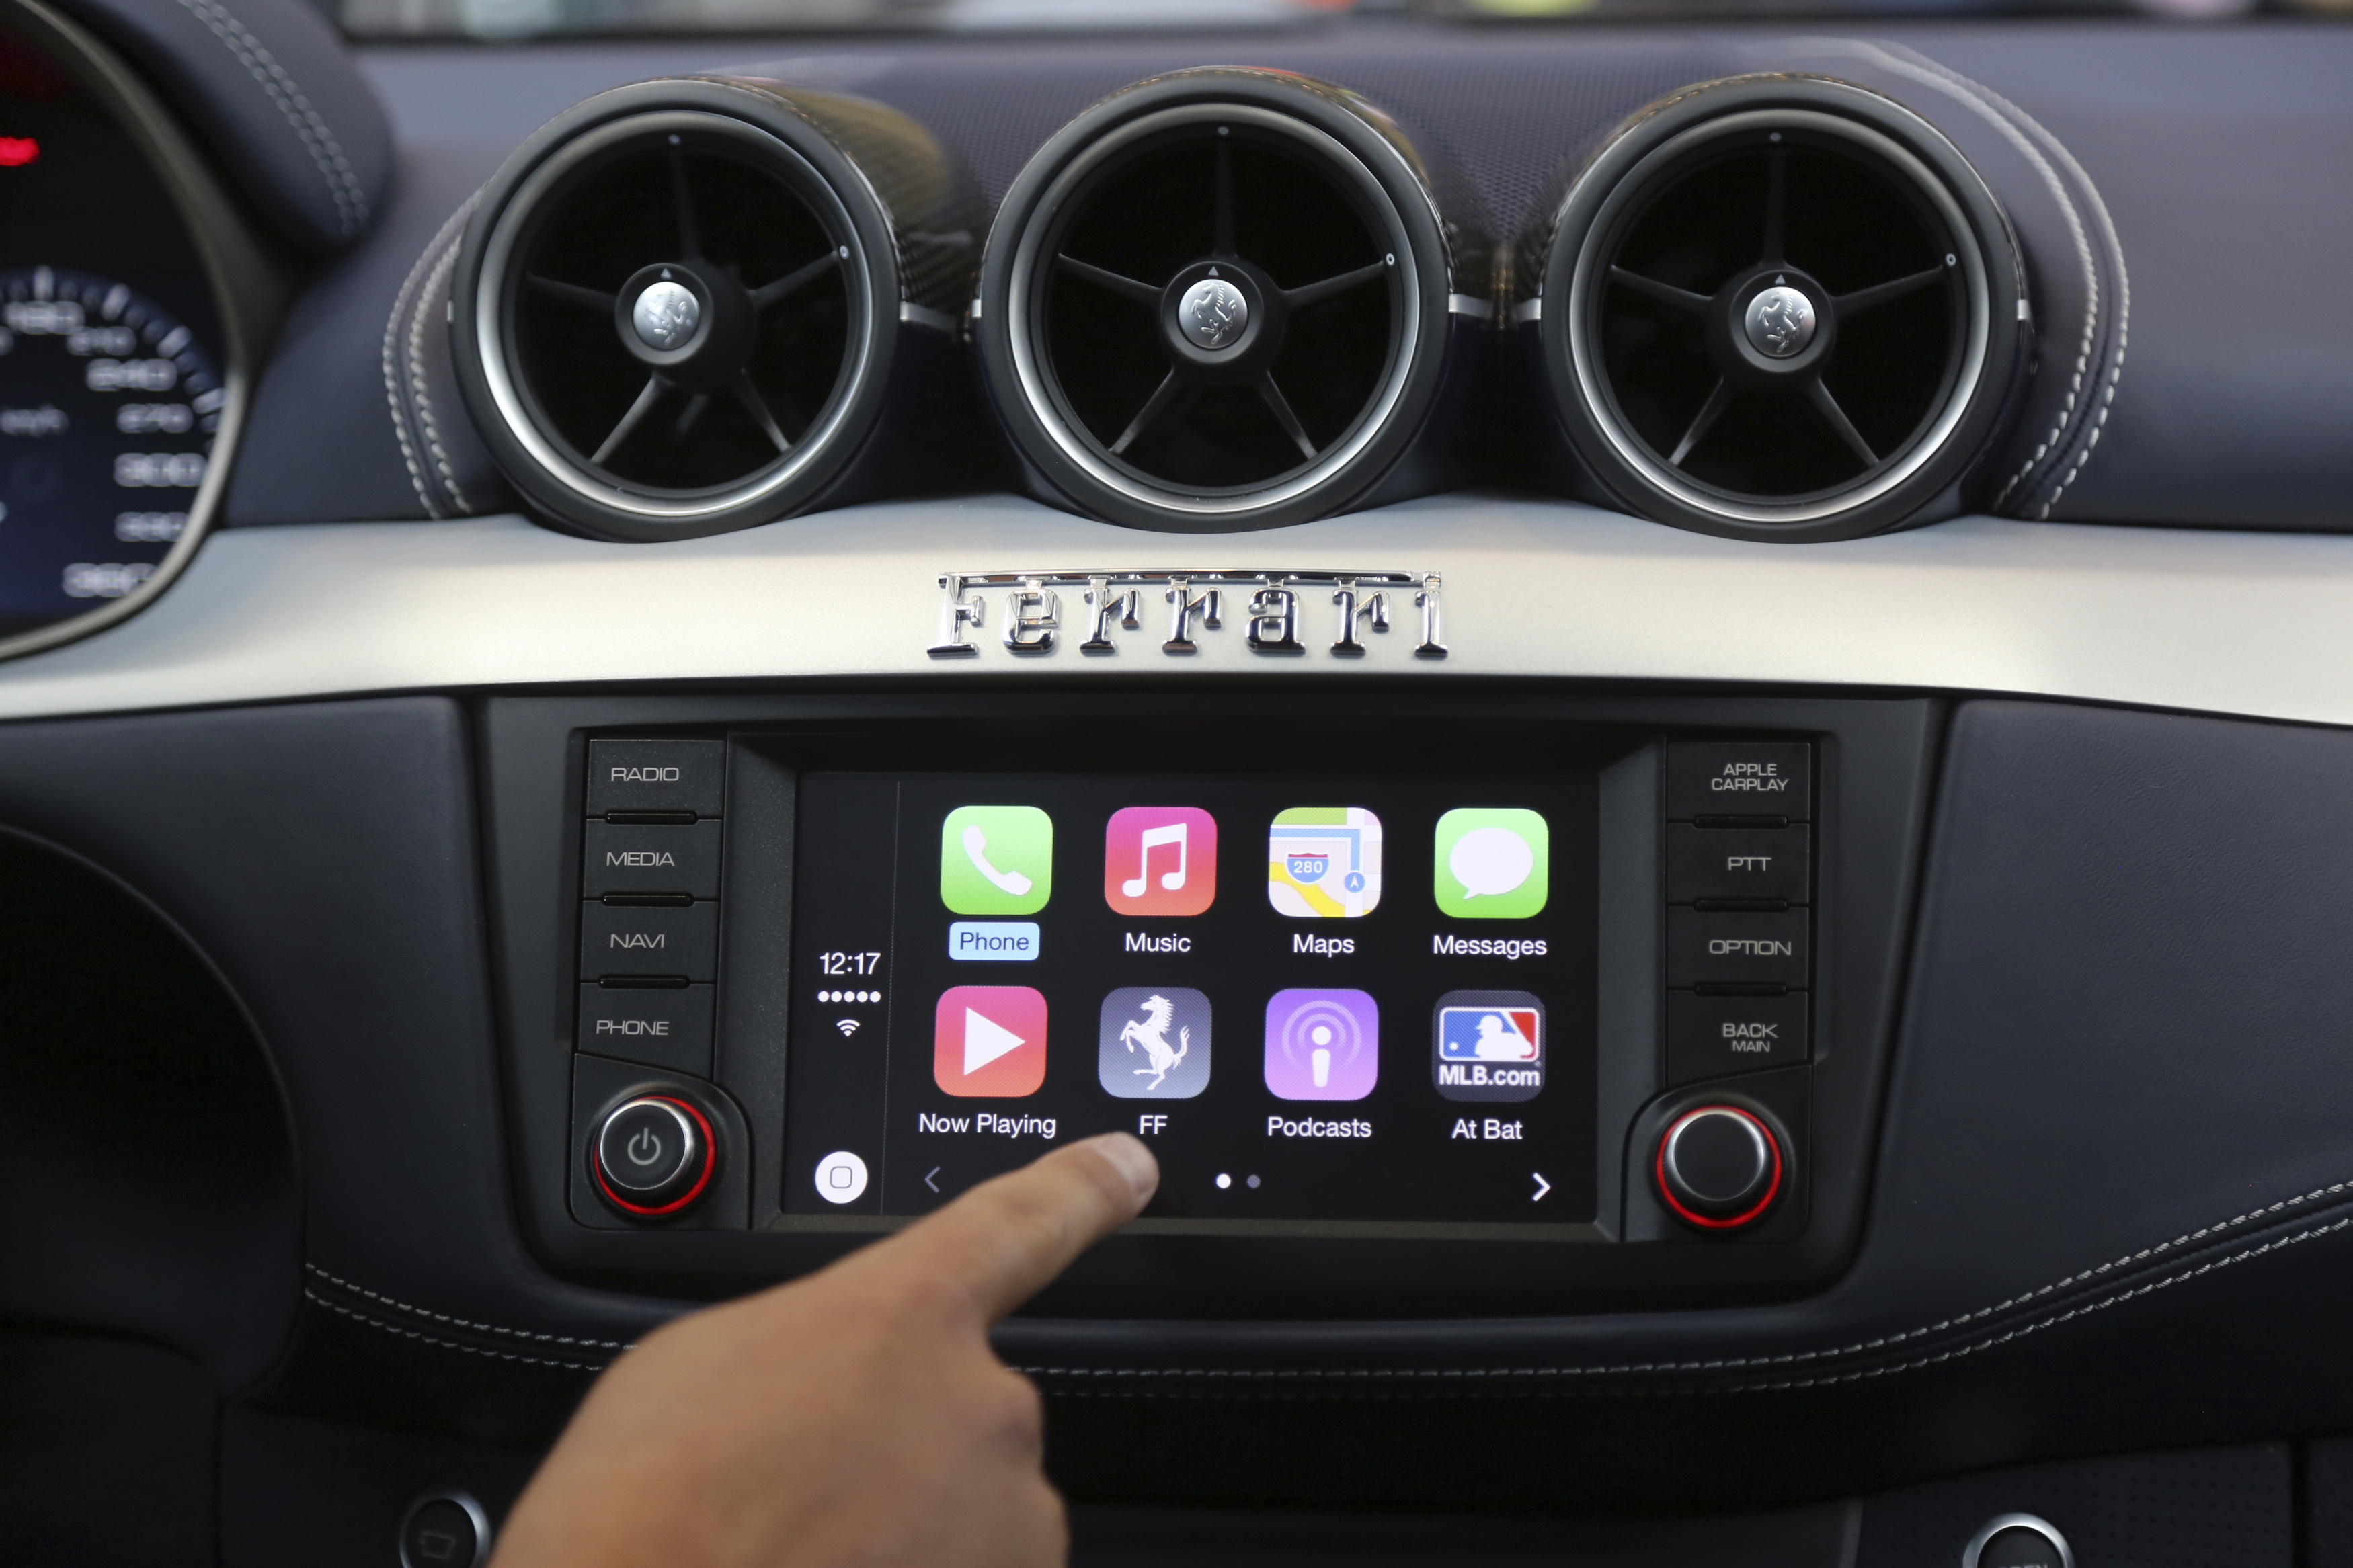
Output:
x=847 y=1027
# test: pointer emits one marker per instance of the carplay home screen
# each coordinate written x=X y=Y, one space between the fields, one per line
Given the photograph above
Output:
x=1325 y=1002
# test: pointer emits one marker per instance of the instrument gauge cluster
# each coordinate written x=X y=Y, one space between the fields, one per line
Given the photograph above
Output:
x=108 y=407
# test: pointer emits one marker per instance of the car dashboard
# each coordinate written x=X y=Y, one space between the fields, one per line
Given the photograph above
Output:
x=632 y=661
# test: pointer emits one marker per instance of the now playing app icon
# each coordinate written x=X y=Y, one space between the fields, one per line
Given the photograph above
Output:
x=990 y=1041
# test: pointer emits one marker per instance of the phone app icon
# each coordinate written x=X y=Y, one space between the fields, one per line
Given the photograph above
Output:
x=1324 y=862
x=1493 y=863
x=1155 y=1043
x=1488 y=1045
x=1323 y=1045
x=990 y=1041
x=996 y=860
x=1160 y=860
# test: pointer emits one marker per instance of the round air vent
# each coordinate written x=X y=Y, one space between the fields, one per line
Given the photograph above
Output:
x=690 y=306
x=1221 y=299
x=1781 y=308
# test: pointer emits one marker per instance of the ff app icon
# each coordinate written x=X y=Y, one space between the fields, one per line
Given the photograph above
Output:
x=1323 y=1045
x=1160 y=860
x=1488 y=1045
x=1155 y=1043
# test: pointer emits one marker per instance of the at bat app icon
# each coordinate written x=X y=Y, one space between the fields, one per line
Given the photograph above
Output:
x=988 y=1042
x=1160 y=860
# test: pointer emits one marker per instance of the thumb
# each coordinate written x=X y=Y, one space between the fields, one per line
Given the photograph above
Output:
x=1003 y=1241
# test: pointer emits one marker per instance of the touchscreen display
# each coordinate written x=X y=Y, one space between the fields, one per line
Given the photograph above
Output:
x=1331 y=1004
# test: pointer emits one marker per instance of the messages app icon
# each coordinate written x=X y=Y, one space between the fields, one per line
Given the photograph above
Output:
x=1493 y=864
x=996 y=860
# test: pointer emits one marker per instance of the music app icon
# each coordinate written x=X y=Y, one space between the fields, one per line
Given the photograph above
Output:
x=1160 y=860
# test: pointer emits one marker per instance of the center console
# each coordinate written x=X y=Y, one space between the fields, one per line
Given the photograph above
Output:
x=1478 y=1003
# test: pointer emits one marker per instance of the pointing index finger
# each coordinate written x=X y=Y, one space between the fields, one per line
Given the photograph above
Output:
x=1004 y=1240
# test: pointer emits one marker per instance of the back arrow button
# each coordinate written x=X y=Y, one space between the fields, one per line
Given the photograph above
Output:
x=930 y=1184
x=1543 y=1186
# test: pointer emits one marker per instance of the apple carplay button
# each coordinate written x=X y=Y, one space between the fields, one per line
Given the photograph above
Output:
x=990 y=1041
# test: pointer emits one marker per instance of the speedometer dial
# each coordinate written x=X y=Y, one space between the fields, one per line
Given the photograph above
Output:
x=107 y=411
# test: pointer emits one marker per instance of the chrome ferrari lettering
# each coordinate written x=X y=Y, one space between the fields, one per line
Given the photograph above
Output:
x=1272 y=602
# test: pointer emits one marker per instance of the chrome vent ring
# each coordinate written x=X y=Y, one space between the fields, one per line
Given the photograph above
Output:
x=1781 y=308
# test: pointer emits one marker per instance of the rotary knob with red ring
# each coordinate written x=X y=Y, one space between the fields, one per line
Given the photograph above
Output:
x=653 y=1155
x=1719 y=1167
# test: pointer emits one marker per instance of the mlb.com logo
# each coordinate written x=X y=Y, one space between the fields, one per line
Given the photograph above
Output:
x=1488 y=1045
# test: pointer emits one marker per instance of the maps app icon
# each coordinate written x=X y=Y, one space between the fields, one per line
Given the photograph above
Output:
x=1324 y=862
x=1488 y=1045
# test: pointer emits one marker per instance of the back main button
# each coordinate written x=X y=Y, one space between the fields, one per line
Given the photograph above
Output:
x=1740 y=778
x=657 y=775
x=840 y=1177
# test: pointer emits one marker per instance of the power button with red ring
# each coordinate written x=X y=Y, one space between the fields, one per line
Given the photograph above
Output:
x=1719 y=1167
x=653 y=1155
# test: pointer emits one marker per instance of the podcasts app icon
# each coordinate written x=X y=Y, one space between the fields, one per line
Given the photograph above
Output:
x=1323 y=1045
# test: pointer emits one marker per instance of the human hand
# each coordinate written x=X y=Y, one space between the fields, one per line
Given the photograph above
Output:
x=855 y=1416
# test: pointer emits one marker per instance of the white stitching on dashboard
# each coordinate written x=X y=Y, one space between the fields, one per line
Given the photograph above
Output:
x=400 y=304
x=1737 y=1364
x=2116 y=253
x=342 y=184
x=425 y=1339
x=417 y=392
x=1982 y=100
x=399 y=1306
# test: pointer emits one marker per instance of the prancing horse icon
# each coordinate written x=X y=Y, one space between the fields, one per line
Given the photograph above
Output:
x=1151 y=1032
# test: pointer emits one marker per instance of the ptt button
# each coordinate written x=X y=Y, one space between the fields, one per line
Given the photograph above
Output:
x=1707 y=947
x=444 y=1529
x=1738 y=863
x=653 y=1155
x=657 y=775
x=1740 y=778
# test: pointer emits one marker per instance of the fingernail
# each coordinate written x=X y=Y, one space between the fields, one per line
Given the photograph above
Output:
x=1131 y=1159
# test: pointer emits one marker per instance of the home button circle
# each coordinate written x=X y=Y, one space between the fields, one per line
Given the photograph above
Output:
x=841 y=1177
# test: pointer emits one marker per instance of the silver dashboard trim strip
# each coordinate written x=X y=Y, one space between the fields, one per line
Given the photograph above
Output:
x=2252 y=624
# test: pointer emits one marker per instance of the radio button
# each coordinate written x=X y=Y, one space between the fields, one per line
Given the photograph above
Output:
x=1708 y=947
x=1738 y=863
x=653 y=1156
x=1716 y=1037
x=1740 y=778
x=1718 y=1167
x=657 y=775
